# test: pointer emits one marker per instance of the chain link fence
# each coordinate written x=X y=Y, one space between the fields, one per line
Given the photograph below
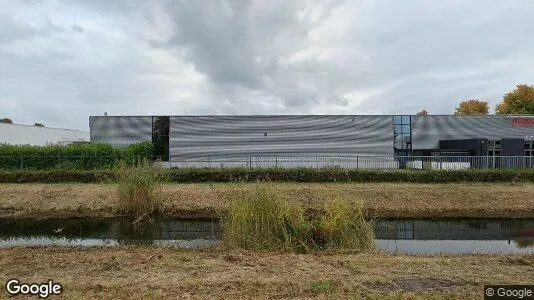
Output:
x=362 y=162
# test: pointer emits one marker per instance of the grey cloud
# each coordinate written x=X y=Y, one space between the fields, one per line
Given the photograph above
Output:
x=244 y=56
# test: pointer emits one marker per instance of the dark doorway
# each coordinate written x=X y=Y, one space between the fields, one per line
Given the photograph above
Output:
x=160 y=137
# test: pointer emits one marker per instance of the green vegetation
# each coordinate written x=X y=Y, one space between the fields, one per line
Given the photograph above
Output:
x=350 y=175
x=280 y=175
x=345 y=227
x=260 y=221
x=76 y=156
x=137 y=189
x=518 y=102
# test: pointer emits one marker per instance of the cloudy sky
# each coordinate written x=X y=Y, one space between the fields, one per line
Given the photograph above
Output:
x=62 y=61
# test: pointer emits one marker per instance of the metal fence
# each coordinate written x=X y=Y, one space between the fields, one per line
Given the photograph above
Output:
x=88 y=162
x=362 y=162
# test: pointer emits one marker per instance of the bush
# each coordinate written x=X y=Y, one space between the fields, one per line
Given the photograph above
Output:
x=57 y=176
x=137 y=189
x=258 y=221
x=346 y=175
x=75 y=156
x=285 y=175
x=345 y=227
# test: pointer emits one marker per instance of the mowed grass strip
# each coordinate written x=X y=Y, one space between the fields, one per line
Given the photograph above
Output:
x=207 y=200
x=127 y=272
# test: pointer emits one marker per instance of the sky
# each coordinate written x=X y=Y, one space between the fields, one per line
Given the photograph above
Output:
x=64 y=60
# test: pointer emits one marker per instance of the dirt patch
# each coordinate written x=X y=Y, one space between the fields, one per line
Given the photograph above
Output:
x=421 y=284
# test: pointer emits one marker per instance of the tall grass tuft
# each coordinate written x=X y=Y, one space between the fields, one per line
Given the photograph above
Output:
x=259 y=221
x=344 y=227
x=137 y=189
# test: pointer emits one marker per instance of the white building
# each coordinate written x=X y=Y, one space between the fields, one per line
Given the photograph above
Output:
x=15 y=134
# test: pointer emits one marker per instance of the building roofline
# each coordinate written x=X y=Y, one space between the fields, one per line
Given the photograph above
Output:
x=44 y=127
x=309 y=115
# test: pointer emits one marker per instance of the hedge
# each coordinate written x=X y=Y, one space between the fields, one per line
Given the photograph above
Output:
x=75 y=156
x=287 y=175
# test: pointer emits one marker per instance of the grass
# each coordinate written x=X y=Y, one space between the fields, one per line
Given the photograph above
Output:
x=258 y=221
x=379 y=200
x=136 y=189
x=261 y=221
x=345 y=227
x=127 y=272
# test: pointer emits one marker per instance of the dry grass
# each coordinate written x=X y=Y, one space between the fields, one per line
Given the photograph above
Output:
x=147 y=272
x=261 y=221
x=204 y=200
x=137 y=189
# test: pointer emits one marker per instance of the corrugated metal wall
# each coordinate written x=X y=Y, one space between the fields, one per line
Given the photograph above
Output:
x=236 y=137
x=428 y=130
x=120 y=131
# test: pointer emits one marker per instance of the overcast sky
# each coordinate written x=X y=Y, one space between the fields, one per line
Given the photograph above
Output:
x=62 y=61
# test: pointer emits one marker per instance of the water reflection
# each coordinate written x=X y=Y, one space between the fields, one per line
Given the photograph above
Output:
x=194 y=233
x=402 y=236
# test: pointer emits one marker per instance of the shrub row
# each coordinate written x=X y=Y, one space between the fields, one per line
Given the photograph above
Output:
x=345 y=175
x=57 y=176
x=75 y=156
x=289 y=175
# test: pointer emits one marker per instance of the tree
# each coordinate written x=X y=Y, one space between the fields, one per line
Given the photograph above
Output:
x=423 y=113
x=472 y=107
x=38 y=125
x=518 y=102
x=6 y=120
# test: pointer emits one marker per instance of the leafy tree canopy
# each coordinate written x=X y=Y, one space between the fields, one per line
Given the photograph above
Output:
x=472 y=107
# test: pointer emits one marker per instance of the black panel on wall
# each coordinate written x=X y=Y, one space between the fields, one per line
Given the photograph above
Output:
x=478 y=147
x=512 y=147
x=160 y=137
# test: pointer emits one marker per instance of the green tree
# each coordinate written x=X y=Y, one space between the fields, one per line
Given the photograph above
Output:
x=518 y=102
x=472 y=107
x=6 y=120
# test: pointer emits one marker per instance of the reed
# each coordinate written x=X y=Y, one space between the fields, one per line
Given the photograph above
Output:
x=260 y=221
x=344 y=227
x=137 y=189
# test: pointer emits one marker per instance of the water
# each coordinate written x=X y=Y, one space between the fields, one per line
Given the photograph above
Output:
x=416 y=236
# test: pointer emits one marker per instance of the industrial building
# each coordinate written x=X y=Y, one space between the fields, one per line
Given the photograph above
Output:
x=353 y=141
x=15 y=134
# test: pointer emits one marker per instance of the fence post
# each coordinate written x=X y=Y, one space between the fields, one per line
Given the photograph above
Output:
x=250 y=162
x=276 y=164
x=357 y=162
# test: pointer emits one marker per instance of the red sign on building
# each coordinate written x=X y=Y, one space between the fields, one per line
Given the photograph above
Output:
x=522 y=122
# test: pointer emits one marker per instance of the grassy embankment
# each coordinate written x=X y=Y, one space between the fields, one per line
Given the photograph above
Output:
x=395 y=200
x=148 y=272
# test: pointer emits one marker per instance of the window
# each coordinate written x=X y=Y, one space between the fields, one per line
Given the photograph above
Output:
x=529 y=148
x=494 y=148
x=402 y=134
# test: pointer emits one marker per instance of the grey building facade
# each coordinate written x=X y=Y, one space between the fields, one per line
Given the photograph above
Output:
x=233 y=140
